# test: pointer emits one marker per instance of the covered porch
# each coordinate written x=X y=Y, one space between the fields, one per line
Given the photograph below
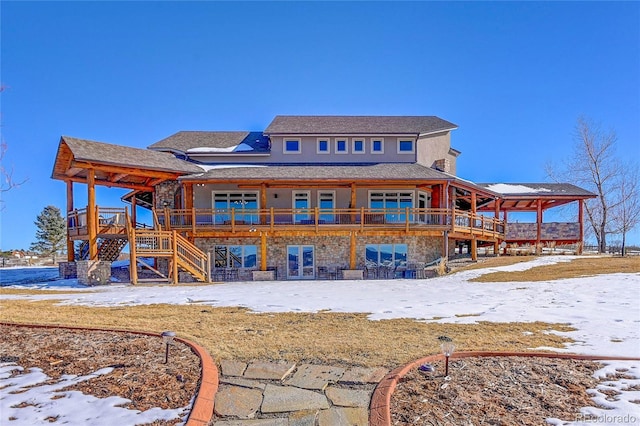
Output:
x=539 y=198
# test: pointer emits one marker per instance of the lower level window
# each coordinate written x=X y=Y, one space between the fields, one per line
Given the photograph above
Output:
x=386 y=254
x=236 y=256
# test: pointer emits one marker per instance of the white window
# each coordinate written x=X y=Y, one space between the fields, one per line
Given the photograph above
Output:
x=357 y=145
x=341 y=146
x=406 y=146
x=377 y=146
x=291 y=146
x=322 y=146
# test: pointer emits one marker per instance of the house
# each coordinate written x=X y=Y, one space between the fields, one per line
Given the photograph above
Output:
x=309 y=197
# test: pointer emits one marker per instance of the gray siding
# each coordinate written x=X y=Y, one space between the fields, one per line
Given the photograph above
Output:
x=309 y=153
x=435 y=147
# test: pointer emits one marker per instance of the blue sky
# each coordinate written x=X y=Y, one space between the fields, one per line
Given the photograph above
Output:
x=513 y=76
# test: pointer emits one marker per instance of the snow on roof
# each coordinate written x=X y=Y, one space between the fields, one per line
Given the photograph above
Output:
x=505 y=188
x=207 y=167
x=243 y=147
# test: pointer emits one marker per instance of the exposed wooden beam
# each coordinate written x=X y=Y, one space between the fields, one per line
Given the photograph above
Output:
x=73 y=171
x=127 y=170
x=117 y=177
x=114 y=184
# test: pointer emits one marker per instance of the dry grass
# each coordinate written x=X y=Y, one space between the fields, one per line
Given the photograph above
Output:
x=581 y=267
x=334 y=338
x=327 y=337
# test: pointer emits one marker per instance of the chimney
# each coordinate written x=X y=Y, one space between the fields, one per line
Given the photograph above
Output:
x=443 y=165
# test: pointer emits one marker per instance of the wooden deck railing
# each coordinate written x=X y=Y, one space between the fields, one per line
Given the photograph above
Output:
x=111 y=220
x=364 y=218
x=170 y=244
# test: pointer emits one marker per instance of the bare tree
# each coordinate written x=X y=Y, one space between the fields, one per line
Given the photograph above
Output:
x=593 y=165
x=626 y=215
x=6 y=175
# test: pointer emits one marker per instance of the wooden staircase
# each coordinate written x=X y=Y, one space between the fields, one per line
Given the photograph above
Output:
x=109 y=249
x=157 y=243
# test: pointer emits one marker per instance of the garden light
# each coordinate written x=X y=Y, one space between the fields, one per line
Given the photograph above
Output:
x=447 y=349
x=167 y=339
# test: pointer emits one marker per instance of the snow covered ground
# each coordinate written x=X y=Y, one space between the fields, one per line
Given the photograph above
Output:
x=605 y=309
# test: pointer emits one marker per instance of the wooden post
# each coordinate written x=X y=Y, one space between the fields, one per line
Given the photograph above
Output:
x=193 y=221
x=539 y=226
x=92 y=219
x=451 y=212
x=188 y=197
x=134 y=211
x=271 y=218
x=445 y=244
x=352 y=251
x=505 y=219
x=263 y=202
x=316 y=217
x=581 y=225
x=474 y=248
x=496 y=220
x=263 y=251
x=362 y=218
x=133 y=263
x=352 y=203
x=174 y=243
x=167 y=219
x=406 y=218
x=70 y=246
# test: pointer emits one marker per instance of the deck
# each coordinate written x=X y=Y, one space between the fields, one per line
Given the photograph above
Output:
x=211 y=222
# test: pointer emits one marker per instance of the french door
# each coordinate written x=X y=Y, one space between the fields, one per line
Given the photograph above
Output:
x=302 y=205
x=300 y=262
x=326 y=205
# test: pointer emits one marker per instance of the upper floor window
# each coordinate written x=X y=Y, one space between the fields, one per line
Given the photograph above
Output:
x=406 y=146
x=341 y=146
x=357 y=146
x=322 y=146
x=377 y=146
x=291 y=146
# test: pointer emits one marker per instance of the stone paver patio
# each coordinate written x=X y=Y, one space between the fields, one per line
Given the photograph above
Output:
x=263 y=393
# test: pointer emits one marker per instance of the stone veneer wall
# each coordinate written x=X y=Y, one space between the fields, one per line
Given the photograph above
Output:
x=67 y=270
x=94 y=272
x=549 y=231
x=330 y=249
x=165 y=192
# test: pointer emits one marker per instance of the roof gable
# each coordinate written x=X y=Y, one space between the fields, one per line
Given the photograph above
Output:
x=379 y=125
x=118 y=155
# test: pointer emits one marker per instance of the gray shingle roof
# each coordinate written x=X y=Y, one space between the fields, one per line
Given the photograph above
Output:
x=117 y=155
x=535 y=189
x=186 y=140
x=327 y=124
x=386 y=171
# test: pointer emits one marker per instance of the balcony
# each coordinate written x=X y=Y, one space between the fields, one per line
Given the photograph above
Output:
x=201 y=221
x=112 y=221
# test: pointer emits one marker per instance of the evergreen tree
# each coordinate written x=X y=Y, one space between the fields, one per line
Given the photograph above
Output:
x=51 y=234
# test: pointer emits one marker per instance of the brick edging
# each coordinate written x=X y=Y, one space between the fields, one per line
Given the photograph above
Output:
x=202 y=408
x=380 y=408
